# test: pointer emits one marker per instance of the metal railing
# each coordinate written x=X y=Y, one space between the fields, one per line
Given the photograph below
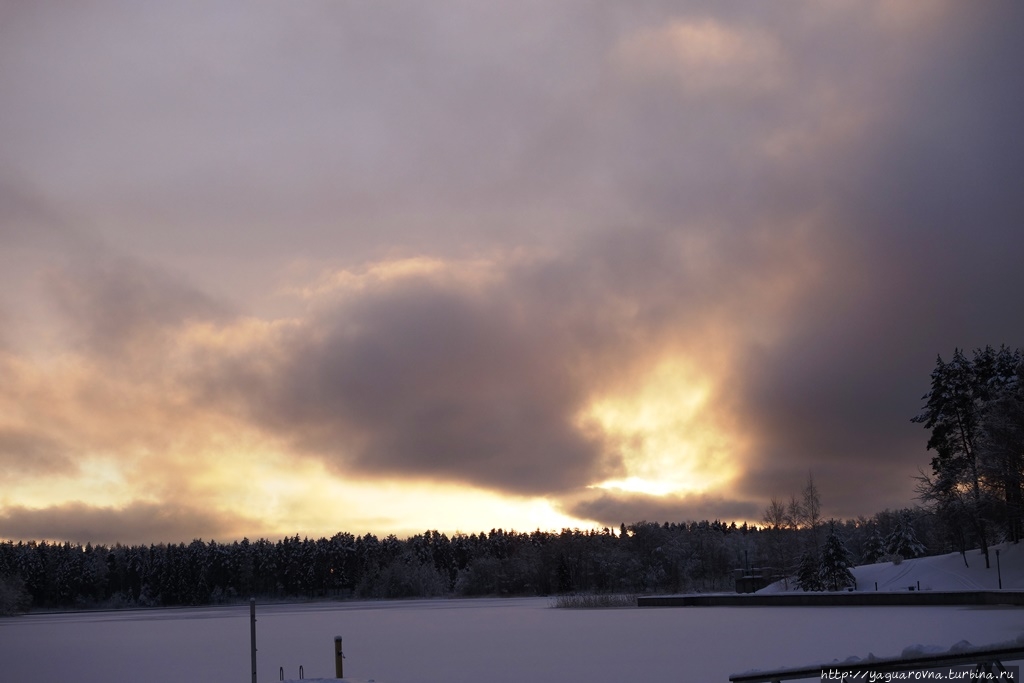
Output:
x=986 y=660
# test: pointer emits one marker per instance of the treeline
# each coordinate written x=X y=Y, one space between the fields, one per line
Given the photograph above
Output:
x=974 y=412
x=638 y=558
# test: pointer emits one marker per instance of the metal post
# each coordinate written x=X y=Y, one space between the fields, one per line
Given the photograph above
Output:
x=252 y=634
x=338 y=658
x=999 y=570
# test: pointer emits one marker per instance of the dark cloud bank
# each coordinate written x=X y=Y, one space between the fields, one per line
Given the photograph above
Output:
x=136 y=523
x=474 y=382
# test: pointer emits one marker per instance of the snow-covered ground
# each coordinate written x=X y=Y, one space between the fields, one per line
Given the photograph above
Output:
x=948 y=572
x=493 y=640
x=468 y=641
x=941 y=572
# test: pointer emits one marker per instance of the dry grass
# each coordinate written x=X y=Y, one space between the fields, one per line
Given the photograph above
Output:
x=594 y=600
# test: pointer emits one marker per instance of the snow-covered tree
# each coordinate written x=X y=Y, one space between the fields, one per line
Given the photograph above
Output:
x=874 y=546
x=13 y=596
x=973 y=414
x=835 y=563
x=808 y=576
x=903 y=541
x=1001 y=446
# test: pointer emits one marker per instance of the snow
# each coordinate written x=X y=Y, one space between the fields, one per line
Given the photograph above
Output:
x=940 y=572
x=502 y=640
x=961 y=647
x=919 y=650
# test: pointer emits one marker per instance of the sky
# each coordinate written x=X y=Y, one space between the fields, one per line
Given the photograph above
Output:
x=296 y=268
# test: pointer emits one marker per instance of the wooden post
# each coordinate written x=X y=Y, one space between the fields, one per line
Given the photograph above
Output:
x=252 y=634
x=338 y=658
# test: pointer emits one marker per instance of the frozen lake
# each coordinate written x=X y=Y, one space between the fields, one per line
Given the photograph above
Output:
x=469 y=641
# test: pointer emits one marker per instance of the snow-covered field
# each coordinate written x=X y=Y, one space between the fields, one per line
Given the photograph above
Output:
x=493 y=640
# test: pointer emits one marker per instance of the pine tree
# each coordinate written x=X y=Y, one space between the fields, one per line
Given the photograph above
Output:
x=835 y=563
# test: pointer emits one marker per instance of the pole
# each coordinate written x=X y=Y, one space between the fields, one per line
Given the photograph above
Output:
x=252 y=634
x=999 y=570
x=338 y=658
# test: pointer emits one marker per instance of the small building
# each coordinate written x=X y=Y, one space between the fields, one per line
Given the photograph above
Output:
x=754 y=579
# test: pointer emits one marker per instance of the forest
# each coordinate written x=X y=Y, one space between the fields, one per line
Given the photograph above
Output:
x=636 y=558
x=970 y=498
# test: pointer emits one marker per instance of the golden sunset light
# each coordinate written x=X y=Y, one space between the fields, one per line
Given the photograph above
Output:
x=668 y=441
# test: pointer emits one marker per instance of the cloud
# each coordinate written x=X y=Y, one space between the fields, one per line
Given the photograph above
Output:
x=114 y=305
x=558 y=245
x=705 y=58
x=419 y=378
x=485 y=373
x=25 y=220
x=34 y=235
x=137 y=522
x=24 y=451
x=481 y=372
x=924 y=212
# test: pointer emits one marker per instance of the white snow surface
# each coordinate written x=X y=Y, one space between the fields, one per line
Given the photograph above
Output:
x=939 y=572
x=496 y=640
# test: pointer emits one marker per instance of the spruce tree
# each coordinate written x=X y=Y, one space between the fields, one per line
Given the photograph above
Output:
x=874 y=546
x=835 y=563
x=903 y=541
x=809 y=575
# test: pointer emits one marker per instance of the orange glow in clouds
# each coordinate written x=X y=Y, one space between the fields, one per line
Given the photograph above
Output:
x=670 y=439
